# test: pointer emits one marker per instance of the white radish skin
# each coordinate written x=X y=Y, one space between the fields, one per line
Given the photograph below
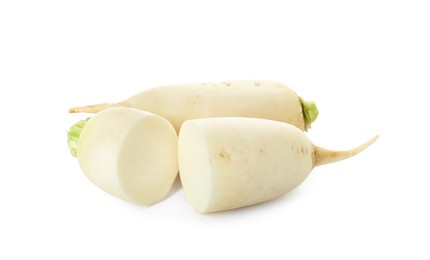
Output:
x=260 y=99
x=227 y=163
x=129 y=153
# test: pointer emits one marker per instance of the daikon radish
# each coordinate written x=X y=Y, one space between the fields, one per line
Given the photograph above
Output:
x=227 y=163
x=127 y=152
x=260 y=99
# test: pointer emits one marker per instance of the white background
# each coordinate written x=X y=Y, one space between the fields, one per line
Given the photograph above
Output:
x=365 y=63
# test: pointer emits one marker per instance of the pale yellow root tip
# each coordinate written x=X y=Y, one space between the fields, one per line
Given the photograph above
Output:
x=324 y=156
x=94 y=108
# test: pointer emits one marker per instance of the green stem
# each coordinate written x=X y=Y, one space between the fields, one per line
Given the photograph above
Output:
x=73 y=135
x=310 y=112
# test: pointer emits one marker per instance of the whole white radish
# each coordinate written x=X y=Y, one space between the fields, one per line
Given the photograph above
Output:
x=227 y=163
x=127 y=152
x=260 y=99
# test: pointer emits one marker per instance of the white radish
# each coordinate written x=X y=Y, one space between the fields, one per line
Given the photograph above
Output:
x=127 y=152
x=260 y=99
x=227 y=163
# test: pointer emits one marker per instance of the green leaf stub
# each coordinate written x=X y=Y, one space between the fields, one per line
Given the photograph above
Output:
x=310 y=112
x=73 y=135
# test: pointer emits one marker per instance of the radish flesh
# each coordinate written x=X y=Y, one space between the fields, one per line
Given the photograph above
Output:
x=127 y=152
x=227 y=163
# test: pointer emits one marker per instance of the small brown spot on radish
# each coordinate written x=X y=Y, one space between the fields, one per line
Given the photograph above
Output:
x=224 y=155
x=257 y=84
x=227 y=84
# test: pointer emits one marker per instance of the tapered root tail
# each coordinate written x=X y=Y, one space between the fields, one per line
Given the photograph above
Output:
x=94 y=108
x=324 y=156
